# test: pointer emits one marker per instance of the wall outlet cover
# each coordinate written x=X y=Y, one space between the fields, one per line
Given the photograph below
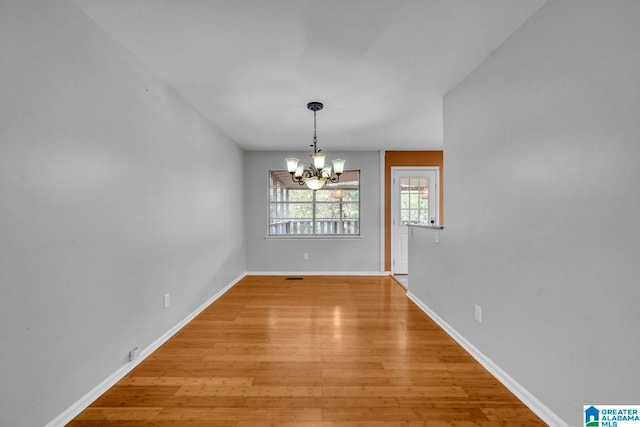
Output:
x=478 y=313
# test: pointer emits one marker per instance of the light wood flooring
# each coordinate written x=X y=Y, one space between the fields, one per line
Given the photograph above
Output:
x=325 y=351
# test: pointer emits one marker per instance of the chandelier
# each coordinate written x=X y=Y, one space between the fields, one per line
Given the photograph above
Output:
x=316 y=174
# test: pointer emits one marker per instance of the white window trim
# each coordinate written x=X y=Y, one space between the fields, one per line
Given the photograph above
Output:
x=269 y=236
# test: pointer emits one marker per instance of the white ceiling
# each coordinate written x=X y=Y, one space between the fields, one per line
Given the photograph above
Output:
x=381 y=67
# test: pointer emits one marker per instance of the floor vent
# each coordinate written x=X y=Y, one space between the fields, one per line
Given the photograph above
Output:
x=294 y=278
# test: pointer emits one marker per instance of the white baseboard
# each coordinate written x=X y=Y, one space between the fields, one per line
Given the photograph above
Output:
x=539 y=408
x=86 y=400
x=316 y=273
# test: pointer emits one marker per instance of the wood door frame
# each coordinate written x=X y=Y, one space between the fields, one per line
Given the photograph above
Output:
x=404 y=158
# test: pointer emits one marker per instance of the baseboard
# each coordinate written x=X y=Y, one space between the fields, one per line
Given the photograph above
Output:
x=316 y=273
x=86 y=400
x=399 y=282
x=539 y=408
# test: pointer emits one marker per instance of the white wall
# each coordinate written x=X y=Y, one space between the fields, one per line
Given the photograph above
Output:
x=542 y=156
x=110 y=196
x=325 y=255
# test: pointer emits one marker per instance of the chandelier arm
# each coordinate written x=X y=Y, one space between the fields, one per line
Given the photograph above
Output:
x=296 y=179
x=308 y=173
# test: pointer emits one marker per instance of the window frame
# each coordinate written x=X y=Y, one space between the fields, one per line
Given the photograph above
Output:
x=314 y=203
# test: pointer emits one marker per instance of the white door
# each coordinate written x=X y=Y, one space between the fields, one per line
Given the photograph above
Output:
x=414 y=199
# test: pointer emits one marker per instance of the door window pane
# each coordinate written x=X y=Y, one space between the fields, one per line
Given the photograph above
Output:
x=414 y=201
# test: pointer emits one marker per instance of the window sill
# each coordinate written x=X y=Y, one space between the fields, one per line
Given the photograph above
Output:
x=315 y=237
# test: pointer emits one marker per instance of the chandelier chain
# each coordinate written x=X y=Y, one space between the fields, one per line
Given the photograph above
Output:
x=315 y=138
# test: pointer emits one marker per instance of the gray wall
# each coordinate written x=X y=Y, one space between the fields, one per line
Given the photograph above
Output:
x=542 y=156
x=110 y=196
x=328 y=255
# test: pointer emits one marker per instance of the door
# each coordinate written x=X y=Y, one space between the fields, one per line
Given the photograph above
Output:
x=414 y=199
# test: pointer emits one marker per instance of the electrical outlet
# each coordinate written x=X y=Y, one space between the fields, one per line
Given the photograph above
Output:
x=133 y=354
x=437 y=238
x=167 y=300
x=478 y=313
x=305 y=256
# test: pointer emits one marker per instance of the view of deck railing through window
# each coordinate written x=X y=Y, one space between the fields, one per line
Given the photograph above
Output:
x=295 y=210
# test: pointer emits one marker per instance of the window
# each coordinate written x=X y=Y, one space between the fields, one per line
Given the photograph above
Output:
x=414 y=200
x=294 y=210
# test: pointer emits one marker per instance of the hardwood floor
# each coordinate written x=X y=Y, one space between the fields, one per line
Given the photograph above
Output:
x=330 y=351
